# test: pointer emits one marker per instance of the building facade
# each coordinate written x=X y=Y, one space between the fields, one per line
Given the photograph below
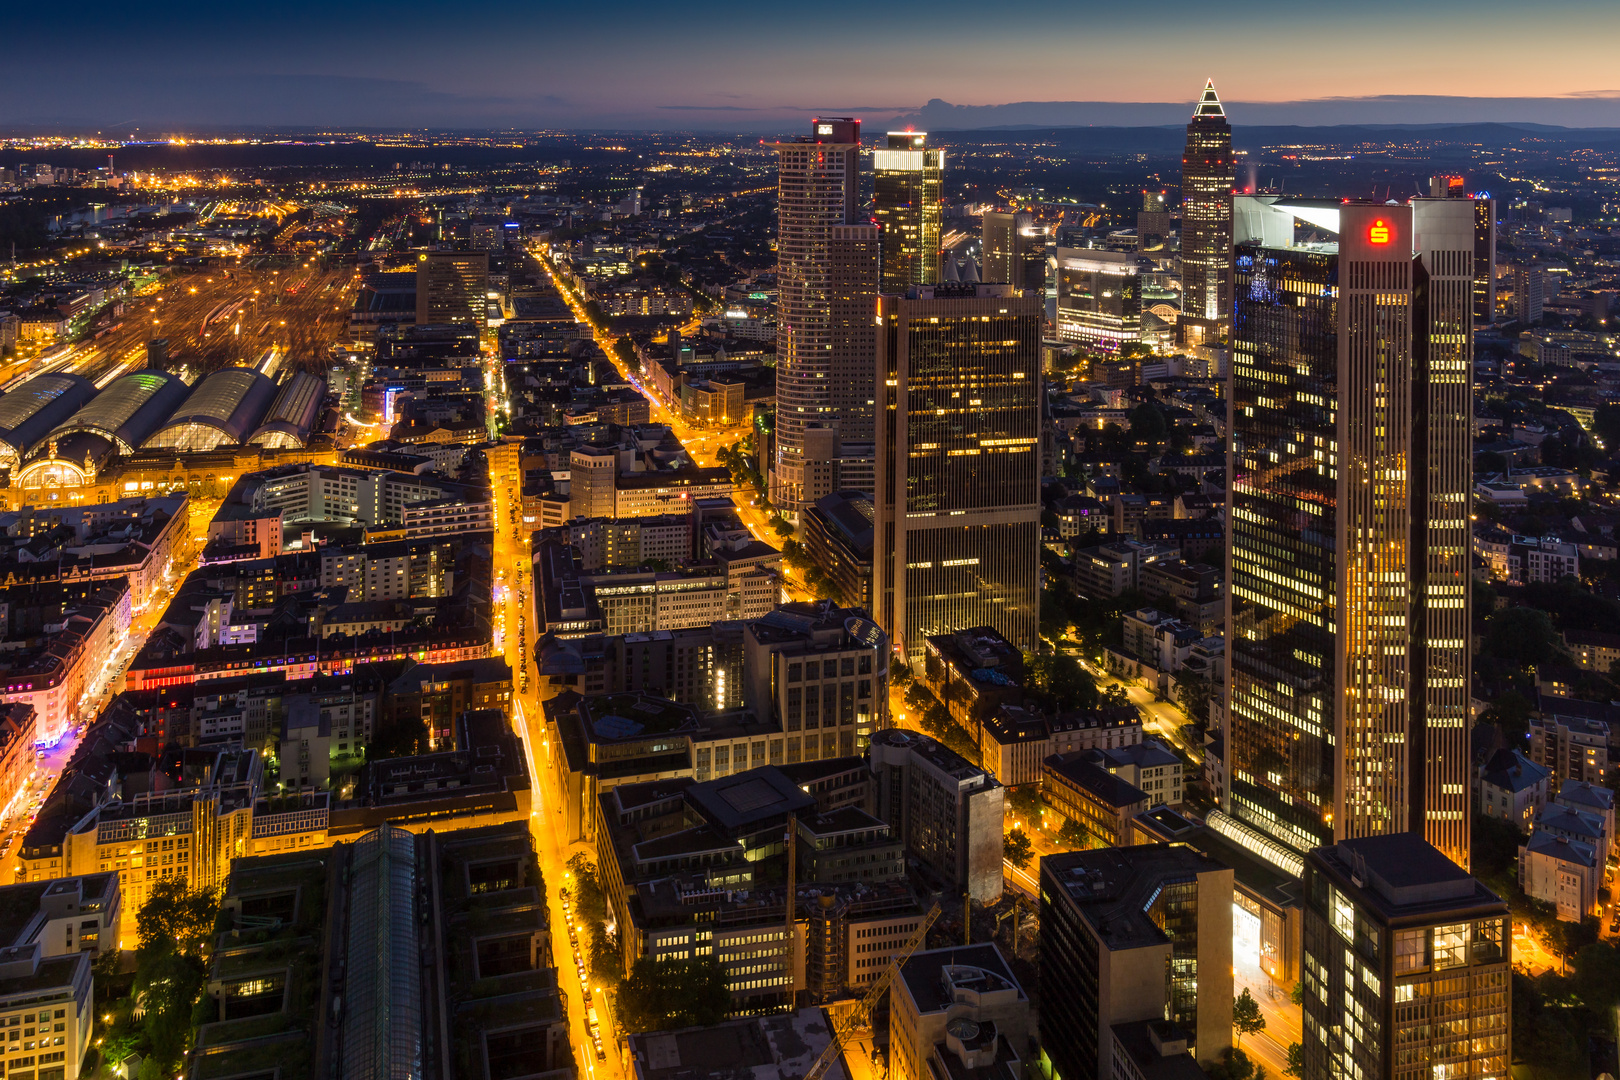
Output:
x=1208 y=171
x=1406 y=964
x=451 y=287
x=827 y=267
x=1350 y=478
x=957 y=508
x=907 y=184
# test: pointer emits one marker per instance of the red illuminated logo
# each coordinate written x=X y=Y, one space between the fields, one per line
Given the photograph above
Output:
x=1379 y=233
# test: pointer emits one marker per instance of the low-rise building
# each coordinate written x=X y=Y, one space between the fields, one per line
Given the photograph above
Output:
x=1513 y=788
x=1079 y=788
x=1150 y=765
x=1572 y=747
x=1562 y=872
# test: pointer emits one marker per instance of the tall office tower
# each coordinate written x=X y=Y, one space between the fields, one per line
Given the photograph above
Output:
x=1014 y=249
x=907 y=189
x=1405 y=973
x=1529 y=293
x=1452 y=187
x=1152 y=222
x=452 y=287
x=824 y=323
x=1349 y=471
x=957 y=507
x=1207 y=173
x=1484 y=258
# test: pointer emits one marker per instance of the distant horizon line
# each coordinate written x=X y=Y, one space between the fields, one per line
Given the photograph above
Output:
x=357 y=107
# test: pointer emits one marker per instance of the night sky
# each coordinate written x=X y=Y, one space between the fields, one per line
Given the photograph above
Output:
x=120 y=67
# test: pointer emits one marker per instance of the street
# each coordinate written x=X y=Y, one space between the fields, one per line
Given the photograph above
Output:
x=702 y=444
x=515 y=630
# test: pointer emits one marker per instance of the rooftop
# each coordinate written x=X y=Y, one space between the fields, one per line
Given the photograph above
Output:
x=1113 y=889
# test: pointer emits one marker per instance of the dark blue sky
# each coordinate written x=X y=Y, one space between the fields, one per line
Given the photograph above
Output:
x=761 y=67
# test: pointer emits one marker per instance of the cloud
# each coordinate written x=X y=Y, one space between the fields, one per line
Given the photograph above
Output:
x=708 y=108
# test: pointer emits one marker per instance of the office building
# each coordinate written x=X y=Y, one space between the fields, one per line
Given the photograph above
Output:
x=957 y=1012
x=1013 y=246
x=452 y=287
x=1099 y=297
x=907 y=183
x=1152 y=222
x=63 y=917
x=1406 y=964
x=1529 y=293
x=1452 y=187
x=948 y=812
x=1484 y=259
x=827 y=276
x=957 y=508
x=1207 y=174
x=1128 y=935
x=1347 y=612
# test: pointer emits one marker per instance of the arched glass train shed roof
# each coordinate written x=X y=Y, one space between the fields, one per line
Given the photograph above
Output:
x=292 y=417
x=127 y=411
x=221 y=410
x=37 y=406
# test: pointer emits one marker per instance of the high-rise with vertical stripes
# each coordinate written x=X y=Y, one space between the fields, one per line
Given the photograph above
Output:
x=827 y=277
x=1349 y=484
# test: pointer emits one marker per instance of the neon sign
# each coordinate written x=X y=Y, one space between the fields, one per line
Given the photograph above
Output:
x=1379 y=233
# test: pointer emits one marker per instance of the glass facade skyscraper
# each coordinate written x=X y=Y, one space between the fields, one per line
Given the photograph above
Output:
x=1349 y=478
x=957 y=526
x=1207 y=174
x=907 y=188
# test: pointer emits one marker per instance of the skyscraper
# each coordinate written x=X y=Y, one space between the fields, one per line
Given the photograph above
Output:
x=907 y=186
x=452 y=287
x=1350 y=476
x=1207 y=173
x=1484 y=258
x=1452 y=187
x=1014 y=249
x=827 y=269
x=957 y=528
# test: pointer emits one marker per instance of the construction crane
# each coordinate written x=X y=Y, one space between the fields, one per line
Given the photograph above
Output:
x=853 y=1020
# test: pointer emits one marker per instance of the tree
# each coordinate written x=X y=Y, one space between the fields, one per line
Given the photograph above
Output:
x=1606 y=422
x=1073 y=835
x=1235 y=1065
x=1246 y=1018
x=175 y=916
x=1017 y=849
x=1522 y=637
x=673 y=994
x=1113 y=697
x=1296 y=995
x=1147 y=424
x=1060 y=675
x=1296 y=1061
x=1024 y=801
x=1192 y=694
x=1596 y=979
